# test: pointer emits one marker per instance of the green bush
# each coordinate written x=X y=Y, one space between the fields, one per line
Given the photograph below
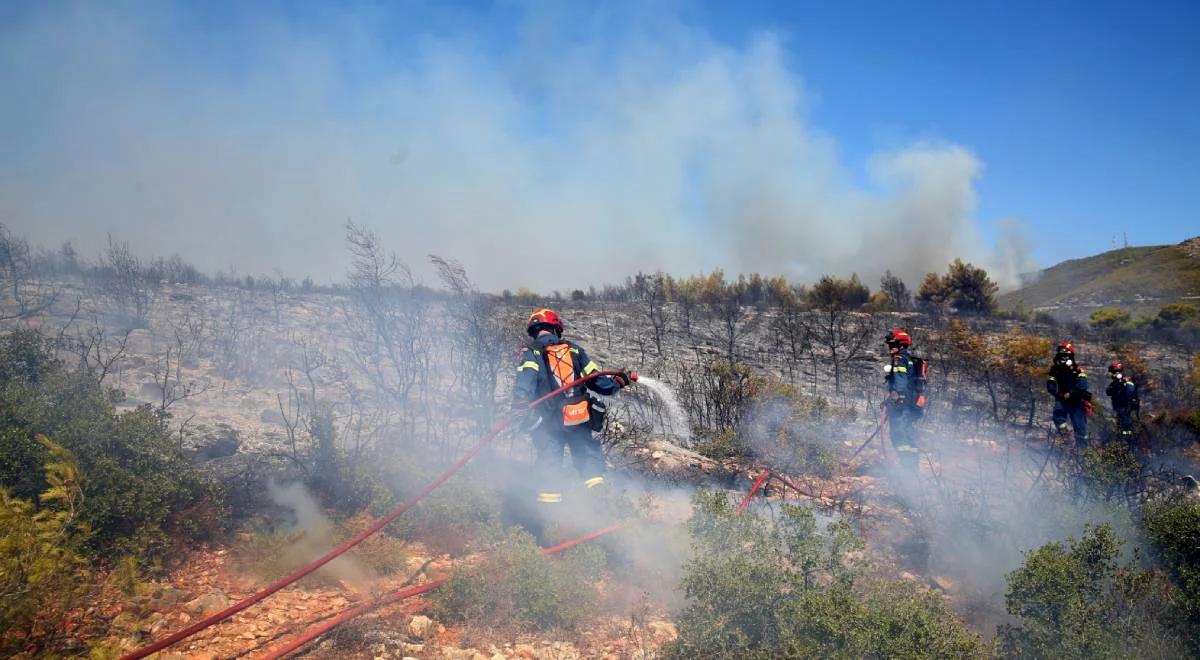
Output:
x=1173 y=529
x=784 y=588
x=43 y=571
x=515 y=587
x=1077 y=600
x=140 y=491
x=1110 y=470
x=1177 y=315
x=452 y=518
x=1109 y=318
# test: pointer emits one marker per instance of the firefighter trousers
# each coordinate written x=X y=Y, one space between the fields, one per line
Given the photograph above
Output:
x=1076 y=415
x=901 y=421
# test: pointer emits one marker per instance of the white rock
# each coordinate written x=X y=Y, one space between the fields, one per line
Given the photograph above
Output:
x=421 y=627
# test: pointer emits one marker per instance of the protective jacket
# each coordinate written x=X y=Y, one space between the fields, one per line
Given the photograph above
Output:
x=536 y=377
x=901 y=374
x=1123 y=393
x=1064 y=380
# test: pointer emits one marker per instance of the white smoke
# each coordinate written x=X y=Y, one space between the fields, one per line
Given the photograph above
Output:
x=595 y=143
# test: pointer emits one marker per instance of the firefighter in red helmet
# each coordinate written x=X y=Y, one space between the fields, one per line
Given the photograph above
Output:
x=905 y=377
x=1067 y=383
x=568 y=419
x=1122 y=391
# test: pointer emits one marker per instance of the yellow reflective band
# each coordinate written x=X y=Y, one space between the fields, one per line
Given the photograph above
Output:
x=594 y=481
x=529 y=364
x=549 y=498
x=906 y=448
x=575 y=351
x=901 y=370
x=591 y=366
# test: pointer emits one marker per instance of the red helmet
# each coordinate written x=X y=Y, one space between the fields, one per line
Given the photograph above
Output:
x=1065 y=348
x=544 y=319
x=1116 y=367
x=898 y=337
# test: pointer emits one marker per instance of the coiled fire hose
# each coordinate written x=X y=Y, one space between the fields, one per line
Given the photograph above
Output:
x=361 y=536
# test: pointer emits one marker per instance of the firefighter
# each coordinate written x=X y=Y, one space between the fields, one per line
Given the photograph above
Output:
x=905 y=398
x=1067 y=383
x=1122 y=391
x=568 y=419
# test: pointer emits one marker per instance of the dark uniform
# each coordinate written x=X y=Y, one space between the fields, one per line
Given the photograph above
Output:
x=1068 y=385
x=902 y=412
x=1122 y=392
x=536 y=376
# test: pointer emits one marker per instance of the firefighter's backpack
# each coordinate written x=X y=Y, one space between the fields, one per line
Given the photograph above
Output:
x=575 y=401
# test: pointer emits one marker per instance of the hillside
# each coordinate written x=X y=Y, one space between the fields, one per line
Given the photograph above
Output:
x=1137 y=278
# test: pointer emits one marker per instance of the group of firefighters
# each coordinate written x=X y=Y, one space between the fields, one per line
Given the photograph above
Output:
x=568 y=419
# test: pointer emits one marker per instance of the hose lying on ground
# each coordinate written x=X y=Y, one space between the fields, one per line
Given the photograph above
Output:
x=400 y=595
x=357 y=538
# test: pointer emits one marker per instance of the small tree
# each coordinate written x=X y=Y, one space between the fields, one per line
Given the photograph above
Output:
x=974 y=291
x=934 y=293
x=22 y=294
x=729 y=311
x=832 y=300
x=650 y=295
x=898 y=295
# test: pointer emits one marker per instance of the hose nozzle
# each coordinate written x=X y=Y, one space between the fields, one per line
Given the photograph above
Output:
x=633 y=376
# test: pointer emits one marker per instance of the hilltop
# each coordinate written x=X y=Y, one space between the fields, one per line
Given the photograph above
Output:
x=1140 y=279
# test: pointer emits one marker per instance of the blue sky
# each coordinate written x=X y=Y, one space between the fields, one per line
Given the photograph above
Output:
x=797 y=137
x=1085 y=113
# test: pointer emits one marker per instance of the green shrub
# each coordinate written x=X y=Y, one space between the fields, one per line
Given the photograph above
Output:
x=1110 y=470
x=1077 y=600
x=1109 y=318
x=43 y=570
x=1177 y=315
x=784 y=588
x=515 y=587
x=1173 y=529
x=452 y=518
x=722 y=445
x=141 y=491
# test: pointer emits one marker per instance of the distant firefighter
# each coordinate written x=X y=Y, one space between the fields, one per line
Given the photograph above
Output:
x=905 y=398
x=1123 y=393
x=1068 y=385
x=568 y=419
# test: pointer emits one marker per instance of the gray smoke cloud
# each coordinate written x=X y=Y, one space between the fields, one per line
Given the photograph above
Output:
x=590 y=145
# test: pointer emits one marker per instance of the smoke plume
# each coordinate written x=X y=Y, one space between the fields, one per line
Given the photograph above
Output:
x=584 y=143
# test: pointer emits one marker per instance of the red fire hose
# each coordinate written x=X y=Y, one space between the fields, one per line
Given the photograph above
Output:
x=357 y=538
x=753 y=489
x=354 y=612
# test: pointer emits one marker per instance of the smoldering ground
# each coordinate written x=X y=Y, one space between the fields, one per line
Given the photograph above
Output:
x=309 y=531
x=980 y=502
x=673 y=150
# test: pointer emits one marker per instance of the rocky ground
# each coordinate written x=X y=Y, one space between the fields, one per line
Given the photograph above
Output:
x=208 y=581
